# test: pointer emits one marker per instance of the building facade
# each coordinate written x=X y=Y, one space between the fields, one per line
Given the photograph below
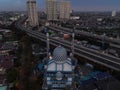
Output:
x=64 y=9
x=59 y=70
x=32 y=13
x=51 y=9
x=113 y=13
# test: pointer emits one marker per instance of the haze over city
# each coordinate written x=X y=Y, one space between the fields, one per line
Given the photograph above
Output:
x=59 y=44
x=77 y=5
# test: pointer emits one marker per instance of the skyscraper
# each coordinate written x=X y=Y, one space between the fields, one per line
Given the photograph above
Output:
x=113 y=13
x=64 y=9
x=51 y=9
x=32 y=13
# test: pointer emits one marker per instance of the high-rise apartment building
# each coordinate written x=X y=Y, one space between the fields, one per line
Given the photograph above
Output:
x=113 y=13
x=51 y=9
x=32 y=13
x=64 y=9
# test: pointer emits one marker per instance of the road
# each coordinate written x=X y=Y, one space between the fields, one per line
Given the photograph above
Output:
x=90 y=54
x=115 y=42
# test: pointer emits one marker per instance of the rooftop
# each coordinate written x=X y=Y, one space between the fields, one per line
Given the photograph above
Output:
x=3 y=88
x=6 y=61
x=2 y=78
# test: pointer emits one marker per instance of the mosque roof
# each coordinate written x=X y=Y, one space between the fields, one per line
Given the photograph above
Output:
x=65 y=67
x=59 y=54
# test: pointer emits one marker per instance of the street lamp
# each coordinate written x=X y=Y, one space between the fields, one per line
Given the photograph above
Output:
x=103 y=41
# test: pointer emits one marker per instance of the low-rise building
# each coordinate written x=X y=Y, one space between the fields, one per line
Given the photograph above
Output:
x=1 y=37
x=6 y=62
x=3 y=87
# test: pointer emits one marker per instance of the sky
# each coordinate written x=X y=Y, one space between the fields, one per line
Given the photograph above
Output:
x=77 y=5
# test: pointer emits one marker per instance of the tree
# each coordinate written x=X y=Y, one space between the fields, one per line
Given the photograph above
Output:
x=11 y=75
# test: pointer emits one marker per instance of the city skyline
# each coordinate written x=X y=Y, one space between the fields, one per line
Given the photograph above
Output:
x=77 y=5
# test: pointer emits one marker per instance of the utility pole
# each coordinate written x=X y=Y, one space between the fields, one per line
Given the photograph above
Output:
x=103 y=41
x=72 y=44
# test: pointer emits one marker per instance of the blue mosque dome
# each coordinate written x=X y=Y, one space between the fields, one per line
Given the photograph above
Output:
x=59 y=71
x=60 y=54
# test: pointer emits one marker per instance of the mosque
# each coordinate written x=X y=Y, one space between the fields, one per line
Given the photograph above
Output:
x=58 y=69
x=61 y=71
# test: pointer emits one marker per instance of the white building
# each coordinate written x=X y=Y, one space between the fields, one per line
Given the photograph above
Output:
x=113 y=13
x=59 y=70
x=75 y=17
x=65 y=10
x=51 y=9
x=32 y=13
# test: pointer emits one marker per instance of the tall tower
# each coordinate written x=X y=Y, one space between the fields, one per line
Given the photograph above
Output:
x=64 y=9
x=113 y=13
x=32 y=13
x=51 y=9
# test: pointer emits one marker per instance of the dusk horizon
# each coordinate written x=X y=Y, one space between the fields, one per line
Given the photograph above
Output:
x=77 y=5
x=59 y=44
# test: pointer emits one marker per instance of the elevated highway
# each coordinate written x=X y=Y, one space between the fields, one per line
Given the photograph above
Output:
x=90 y=54
x=112 y=41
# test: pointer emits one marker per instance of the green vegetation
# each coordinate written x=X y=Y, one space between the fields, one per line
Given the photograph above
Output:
x=28 y=65
x=11 y=75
